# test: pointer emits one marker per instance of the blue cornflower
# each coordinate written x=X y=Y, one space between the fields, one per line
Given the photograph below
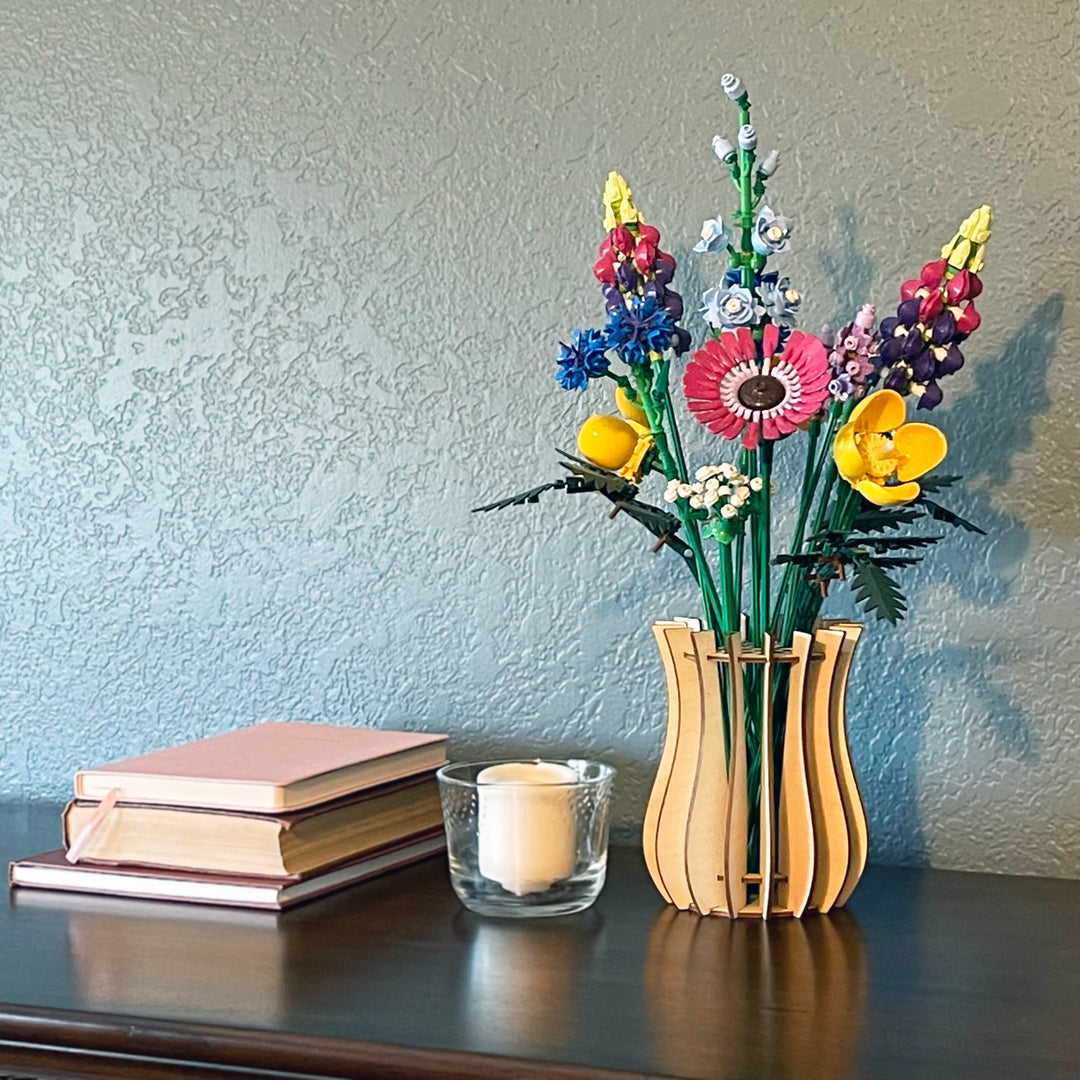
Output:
x=584 y=358
x=642 y=328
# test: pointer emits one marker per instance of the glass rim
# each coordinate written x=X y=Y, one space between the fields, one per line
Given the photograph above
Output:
x=604 y=772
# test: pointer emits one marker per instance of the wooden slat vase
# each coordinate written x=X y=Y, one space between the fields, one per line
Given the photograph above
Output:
x=811 y=833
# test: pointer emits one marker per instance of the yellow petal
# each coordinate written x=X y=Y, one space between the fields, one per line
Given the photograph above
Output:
x=845 y=452
x=630 y=409
x=880 y=495
x=921 y=447
x=882 y=410
x=607 y=441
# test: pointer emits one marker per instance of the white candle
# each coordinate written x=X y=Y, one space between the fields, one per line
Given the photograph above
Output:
x=527 y=837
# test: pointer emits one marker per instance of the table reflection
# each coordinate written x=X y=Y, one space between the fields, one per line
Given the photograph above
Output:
x=520 y=978
x=131 y=956
x=788 y=994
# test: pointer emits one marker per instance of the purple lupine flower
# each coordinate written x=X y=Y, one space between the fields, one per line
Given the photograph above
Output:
x=852 y=356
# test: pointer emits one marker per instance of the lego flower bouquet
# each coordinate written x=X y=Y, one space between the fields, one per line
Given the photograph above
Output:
x=768 y=671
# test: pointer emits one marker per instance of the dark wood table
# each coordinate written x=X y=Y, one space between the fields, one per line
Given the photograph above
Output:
x=926 y=974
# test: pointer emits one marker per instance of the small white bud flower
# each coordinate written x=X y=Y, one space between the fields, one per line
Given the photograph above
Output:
x=696 y=501
x=727 y=470
x=723 y=149
x=671 y=494
x=747 y=137
x=712 y=484
x=743 y=492
x=767 y=167
x=728 y=511
x=757 y=484
x=736 y=500
x=685 y=491
x=703 y=473
x=725 y=490
x=732 y=86
x=711 y=497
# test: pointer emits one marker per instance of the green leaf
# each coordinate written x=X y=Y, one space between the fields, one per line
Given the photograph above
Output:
x=806 y=559
x=879 y=519
x=530 y=496
x=940 y=513
x=890 y=562
x=877 y=592
x=892 y=543
x=933 y=484
x=608 y=482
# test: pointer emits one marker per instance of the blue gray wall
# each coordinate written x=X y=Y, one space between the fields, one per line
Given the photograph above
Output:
x=280 y=288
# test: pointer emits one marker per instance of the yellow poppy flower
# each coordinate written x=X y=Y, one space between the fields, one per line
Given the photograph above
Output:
x=619 y=206
x=616 y=444
x=880 y=456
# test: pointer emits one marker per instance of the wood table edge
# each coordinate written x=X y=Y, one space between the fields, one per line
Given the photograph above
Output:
x=64 y=1042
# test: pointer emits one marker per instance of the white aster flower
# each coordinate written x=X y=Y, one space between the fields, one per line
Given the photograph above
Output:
x=728 y=511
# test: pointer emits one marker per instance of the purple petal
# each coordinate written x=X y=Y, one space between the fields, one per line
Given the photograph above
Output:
x=943 y=329
x=908 y=312
x=952 y=361
x=896 y=380
x=922 y=367
x=932 y=398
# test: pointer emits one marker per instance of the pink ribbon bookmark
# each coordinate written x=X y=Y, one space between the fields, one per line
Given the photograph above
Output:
x=78 y=845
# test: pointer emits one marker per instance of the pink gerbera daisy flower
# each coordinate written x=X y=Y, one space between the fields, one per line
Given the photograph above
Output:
x=732 y=392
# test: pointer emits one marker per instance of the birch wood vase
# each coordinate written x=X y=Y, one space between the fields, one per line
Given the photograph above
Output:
x=811 y=833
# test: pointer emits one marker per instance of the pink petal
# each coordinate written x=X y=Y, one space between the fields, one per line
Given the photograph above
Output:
x=768 y=429
x=769 y=339
x=750 y=435
x=744 y=343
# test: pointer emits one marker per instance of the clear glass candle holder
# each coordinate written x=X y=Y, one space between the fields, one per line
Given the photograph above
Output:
x=526 y=838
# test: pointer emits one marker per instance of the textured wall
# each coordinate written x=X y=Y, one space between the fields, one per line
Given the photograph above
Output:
x=280 y=288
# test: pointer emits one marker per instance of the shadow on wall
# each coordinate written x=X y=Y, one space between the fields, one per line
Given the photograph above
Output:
x=991 y=424
x=994 y=422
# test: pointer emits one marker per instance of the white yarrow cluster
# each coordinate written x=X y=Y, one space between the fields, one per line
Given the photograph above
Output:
x=713 y=483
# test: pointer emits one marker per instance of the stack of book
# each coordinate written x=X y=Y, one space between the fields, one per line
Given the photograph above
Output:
x=264 y=816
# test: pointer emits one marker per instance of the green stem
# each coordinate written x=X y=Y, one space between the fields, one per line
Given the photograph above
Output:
x=674 y=468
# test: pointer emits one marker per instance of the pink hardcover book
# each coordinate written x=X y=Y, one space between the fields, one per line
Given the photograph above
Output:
x=277 y=765
x=50 y=870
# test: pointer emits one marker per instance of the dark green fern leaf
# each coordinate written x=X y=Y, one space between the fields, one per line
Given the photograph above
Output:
x=877 y=592
x=531 y=496
x=934 y=484
x=880 y=519
x=941 y=513
x=894 y=562
x=892 y=543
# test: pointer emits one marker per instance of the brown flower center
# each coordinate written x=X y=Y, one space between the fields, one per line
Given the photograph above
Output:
x=761 y=392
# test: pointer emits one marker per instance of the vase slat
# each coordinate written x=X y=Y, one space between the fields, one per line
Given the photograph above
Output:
x=795 y=829
x=858 y=834
x=736 y=816
x=705 y=829
x=830 y=823
x=650 y=825
x=675 y=814
x=766 y=846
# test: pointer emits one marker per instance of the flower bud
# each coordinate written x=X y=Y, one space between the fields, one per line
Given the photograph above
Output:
x=732 y=86
x=771 y=163
x=931 y=304
x=932 y=273
x=865 y=318
x=747 y=137
x=723 y=149
x=968 y=321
